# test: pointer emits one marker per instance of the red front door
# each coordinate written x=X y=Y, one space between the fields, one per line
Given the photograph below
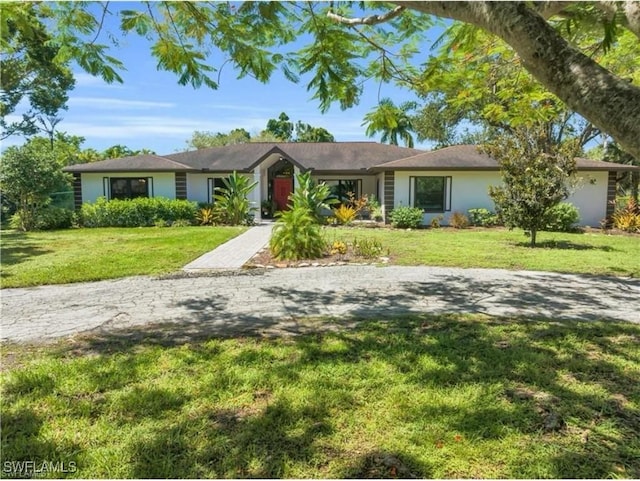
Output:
x=281 y=190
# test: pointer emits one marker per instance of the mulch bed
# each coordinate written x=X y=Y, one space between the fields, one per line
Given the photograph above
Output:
x=264 y=259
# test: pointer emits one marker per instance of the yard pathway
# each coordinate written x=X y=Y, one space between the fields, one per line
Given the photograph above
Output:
x=234 y=253
x=280 y=301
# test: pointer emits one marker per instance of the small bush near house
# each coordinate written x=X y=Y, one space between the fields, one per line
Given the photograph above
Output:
x=140 y=212
x=482 y=217
x=297 y=236
x=47 y=218
x=458 y=220
x=627 y=218
x=435 y=222
x=344 y=214
x=562 y=218
x=405 y=217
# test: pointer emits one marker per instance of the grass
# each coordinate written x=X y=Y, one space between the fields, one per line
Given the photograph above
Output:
x=80 y=255
x=588 y=253
x=452 y=396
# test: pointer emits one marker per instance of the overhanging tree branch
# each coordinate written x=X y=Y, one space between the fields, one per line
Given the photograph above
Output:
x=370 y=20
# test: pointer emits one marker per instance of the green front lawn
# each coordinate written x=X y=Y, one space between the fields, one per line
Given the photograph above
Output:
x=588 y=253
x=80 y=255
x=454 y=396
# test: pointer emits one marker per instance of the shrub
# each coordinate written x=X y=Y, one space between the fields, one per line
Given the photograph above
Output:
x=435 y=221
x=206 y=216
x=482 y=217
x=297 y=235
x=562 y=218
x=627 y=218
x=458 y=220
x=181 y=223
x=46 y=218
x=405 y=217
x=338 y=247
x=368 y=248
x=344 y=214
x=139 y=212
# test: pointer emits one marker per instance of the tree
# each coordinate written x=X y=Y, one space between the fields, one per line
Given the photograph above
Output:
x=392 y=121
x=307 y=133
x=281 y=128
x=118 y=151
x=343 y=49
x=31 y=72
x=203 y=139
x=536 y=174
x=29 y=175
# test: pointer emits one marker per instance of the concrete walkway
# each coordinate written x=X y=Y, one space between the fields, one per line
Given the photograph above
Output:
x=285 y=301
x=234 y=253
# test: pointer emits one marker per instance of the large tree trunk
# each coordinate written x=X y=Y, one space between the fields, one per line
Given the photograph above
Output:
x=609 y=102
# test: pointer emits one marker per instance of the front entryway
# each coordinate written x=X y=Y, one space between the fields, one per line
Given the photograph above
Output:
x=280 y=183
x=282 y=188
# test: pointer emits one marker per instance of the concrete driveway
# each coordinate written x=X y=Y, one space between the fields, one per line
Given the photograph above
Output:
x=278 y=301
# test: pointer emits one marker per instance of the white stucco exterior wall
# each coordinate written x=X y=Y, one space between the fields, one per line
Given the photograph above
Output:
x=590 y=197
x=470 y=190
x=164 y=184
x=197 y=187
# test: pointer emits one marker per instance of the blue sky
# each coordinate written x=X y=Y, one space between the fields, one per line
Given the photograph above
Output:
x=151 y=110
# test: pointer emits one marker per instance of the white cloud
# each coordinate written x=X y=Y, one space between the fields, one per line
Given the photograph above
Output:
x=84 y=79
x=107 y=103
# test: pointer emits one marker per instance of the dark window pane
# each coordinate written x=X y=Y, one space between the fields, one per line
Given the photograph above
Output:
x=139 y=188
x=128 y=188
x=429 y=193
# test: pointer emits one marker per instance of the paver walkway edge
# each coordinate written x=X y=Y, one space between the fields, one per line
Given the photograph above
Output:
x=234 y=253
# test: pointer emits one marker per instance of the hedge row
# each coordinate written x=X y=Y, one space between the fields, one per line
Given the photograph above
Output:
x=139 y=212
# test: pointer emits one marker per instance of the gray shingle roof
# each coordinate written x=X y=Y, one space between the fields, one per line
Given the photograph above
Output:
x=469 y=157
x=136 y=163
x=321 y=157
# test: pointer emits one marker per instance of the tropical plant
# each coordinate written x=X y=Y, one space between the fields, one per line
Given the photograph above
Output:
x=296 y=235
x=311 y=196
x=394 y=122
x=344 y=214
x=232 y=199
x=207 y=216
x=405 y=217
x=627 y=218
